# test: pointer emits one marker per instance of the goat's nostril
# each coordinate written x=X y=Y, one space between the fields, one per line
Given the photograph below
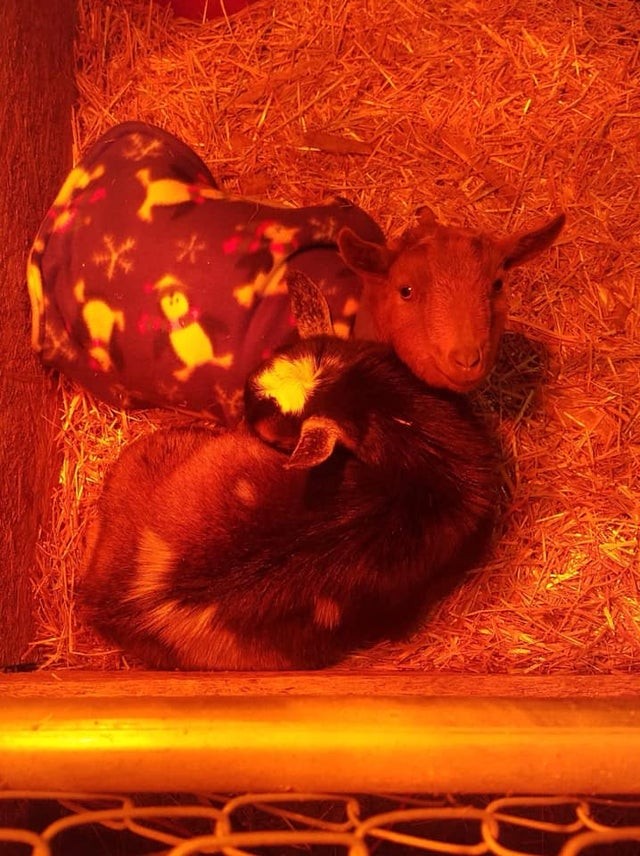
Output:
x=468 y=359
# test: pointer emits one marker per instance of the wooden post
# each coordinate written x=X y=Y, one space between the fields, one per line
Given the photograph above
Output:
x=36 y=94
x=36 y=86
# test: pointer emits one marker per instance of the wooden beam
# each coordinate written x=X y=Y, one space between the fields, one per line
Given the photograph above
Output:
x=335 y=682
x=36 y=86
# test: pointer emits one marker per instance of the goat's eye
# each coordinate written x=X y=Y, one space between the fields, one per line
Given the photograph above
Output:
x=497 y=286
x=406 y=292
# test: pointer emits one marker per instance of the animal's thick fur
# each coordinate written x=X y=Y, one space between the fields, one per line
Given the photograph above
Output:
x=219 y=551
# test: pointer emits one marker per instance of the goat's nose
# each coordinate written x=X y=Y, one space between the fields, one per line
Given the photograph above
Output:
x=467 y=359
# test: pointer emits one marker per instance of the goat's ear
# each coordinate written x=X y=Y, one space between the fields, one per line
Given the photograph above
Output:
x=425 y=228
x=427 y=220
x=309 y=306
x=363 y=256
x=318 y=438
x=520 y=248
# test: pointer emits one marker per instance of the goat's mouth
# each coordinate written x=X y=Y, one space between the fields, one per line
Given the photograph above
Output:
x=459 y=382
x=441 y=374
x=464 y=386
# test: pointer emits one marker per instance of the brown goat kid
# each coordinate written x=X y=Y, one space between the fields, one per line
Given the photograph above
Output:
x=438 y=295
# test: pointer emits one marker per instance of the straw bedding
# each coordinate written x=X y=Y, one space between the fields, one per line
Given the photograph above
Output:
x=496 y=115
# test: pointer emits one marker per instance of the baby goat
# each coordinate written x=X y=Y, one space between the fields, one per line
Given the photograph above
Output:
x=315 y=528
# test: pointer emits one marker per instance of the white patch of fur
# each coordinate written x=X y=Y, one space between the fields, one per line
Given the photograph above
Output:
x=351 y=306
x=341 y=329
x=198 y=641
x=289 y=382
x=154 y=562
x=246 y=492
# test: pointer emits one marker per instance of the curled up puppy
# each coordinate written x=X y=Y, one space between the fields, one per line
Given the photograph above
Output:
x=316 y=527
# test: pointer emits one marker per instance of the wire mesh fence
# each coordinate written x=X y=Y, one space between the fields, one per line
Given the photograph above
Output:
x=53 y=824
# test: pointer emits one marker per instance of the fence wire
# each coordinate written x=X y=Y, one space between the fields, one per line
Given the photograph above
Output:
x=53 y=824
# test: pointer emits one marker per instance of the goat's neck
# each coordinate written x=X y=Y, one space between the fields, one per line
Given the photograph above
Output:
x=364 y=327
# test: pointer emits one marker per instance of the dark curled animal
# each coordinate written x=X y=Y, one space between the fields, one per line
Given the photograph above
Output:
x=316 y=528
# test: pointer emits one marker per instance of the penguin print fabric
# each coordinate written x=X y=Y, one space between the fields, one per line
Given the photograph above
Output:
x=150 y=286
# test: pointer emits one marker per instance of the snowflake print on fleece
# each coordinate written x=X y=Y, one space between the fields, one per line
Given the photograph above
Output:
x=152 y=287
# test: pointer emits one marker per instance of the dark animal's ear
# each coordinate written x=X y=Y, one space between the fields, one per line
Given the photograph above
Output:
x=363 y=256
x=426 y=217
x=309 y=306
x=524 y=246
x=318 y=438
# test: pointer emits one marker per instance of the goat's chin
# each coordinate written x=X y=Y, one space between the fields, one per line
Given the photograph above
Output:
x=461 y=386
x=444 y=381
x=431 y=374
